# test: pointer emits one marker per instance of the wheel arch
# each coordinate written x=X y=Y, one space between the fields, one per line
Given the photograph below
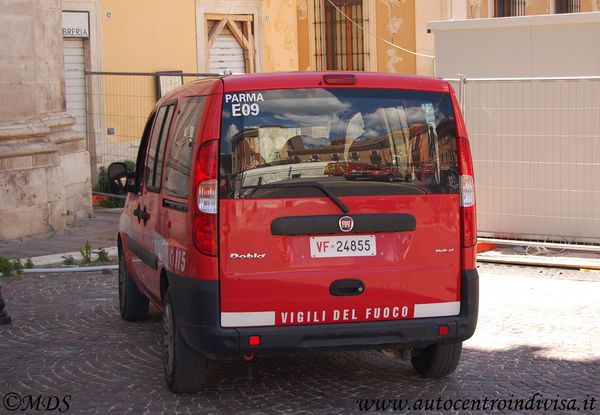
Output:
x=164 y=284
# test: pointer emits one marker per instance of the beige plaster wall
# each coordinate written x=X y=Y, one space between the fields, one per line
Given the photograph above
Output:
x=478 y=9
x=136 y=36
x=280 y=31
x=537 y=7
x=396 y=23
x=589 y=5
x=303 y=35
x=427 y=11
x=149 y=35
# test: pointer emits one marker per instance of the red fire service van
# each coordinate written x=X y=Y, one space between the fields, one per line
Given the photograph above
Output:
x=236 y=229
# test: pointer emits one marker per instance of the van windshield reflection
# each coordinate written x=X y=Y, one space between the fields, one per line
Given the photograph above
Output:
x=353 y=141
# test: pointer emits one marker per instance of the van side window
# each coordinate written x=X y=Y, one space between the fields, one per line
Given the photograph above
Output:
x=141 y=157
x=156 y=149
x=181 y=151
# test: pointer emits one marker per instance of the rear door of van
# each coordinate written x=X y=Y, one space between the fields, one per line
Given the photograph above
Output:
x=178 y=168
x=337 y=204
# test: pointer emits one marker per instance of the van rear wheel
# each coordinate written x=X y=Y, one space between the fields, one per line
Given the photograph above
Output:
x=437 y=360
x=185 y=368
x=133 y=304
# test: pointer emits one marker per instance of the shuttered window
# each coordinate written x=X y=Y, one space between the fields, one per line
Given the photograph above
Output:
x=505 y=8
x=75 y=82
x=567 y=6
x=230 y=39
x=225 y=52
x=339 y=44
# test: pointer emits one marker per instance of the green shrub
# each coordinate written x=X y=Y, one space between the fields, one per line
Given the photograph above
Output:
x=102 y=255
x=86 y=252
x=5 y=267
x=69 y=260
x=9 y=267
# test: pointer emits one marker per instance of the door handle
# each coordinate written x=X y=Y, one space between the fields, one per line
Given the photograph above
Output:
x=142 y=215
x=137 y=212
x=346 y=287
x=145 y=215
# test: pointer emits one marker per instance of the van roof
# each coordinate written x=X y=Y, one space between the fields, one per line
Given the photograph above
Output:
x=295 y=80
x=285 y=80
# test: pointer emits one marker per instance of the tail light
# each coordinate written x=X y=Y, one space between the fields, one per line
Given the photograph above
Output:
x=339 y=79
x=205 y=209
x=467 y=194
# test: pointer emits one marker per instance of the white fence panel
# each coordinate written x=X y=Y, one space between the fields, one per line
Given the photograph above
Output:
x=536 y=153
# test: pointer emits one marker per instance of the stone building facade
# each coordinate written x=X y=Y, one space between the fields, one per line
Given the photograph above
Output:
x=44 y=165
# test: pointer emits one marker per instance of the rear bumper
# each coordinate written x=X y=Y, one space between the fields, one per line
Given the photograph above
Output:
x=197 y=312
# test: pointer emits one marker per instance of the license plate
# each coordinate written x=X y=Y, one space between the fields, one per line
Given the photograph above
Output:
x=342 y=246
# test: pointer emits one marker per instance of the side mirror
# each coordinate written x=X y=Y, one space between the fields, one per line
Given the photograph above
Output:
x=117 y=178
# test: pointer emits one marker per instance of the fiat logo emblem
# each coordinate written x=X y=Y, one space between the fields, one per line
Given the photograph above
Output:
x=346 y=223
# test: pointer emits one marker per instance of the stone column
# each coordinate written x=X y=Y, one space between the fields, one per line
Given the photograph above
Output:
x=44 y=165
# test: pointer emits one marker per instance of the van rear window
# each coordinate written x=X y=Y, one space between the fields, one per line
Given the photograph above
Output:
x=356 y=142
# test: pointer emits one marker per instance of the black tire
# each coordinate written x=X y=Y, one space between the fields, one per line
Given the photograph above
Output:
x=133 y=304
x=437 y=360
x=185 y=368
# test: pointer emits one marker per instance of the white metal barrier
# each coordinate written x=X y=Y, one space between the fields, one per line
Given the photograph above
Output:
x=536 y=151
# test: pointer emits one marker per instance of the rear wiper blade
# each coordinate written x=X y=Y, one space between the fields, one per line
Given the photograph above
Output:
x=319 y=186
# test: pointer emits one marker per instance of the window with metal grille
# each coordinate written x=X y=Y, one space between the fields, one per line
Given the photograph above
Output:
x=339 y=44
x=506 y=8
x=567 y=6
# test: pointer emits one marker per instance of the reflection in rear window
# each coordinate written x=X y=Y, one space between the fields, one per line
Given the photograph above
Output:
x=353 y=141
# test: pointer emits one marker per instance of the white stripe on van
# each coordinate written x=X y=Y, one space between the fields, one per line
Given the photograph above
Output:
x=161 y=248
x=437 y=309
x=125 y=224
x=259 y=318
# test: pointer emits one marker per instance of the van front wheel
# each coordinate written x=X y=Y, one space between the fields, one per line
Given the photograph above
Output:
x=185 y=368
x=437 y=360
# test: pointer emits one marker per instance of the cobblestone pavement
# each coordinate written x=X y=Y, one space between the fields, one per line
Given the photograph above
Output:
x=537 y=338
